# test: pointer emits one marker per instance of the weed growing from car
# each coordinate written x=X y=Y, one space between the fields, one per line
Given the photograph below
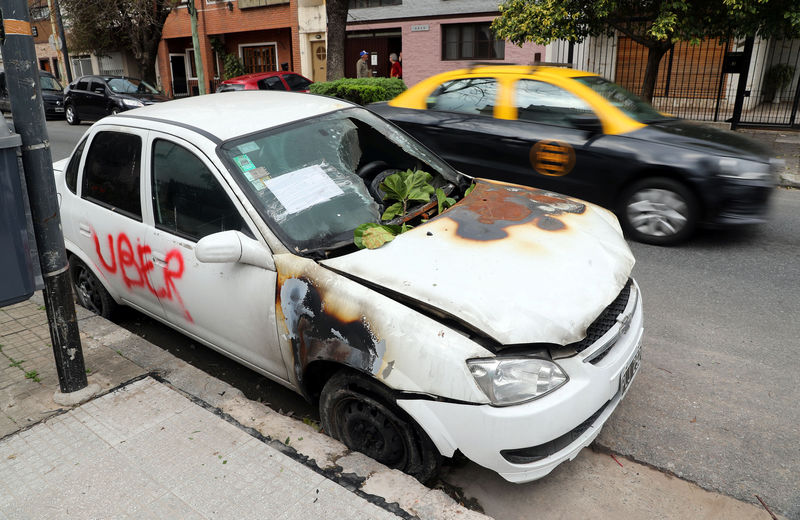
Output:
x=403 y=188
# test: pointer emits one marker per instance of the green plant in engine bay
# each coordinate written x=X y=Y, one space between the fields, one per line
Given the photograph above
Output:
x=403 y=188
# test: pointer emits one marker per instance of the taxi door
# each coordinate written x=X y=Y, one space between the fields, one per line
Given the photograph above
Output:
x=546 y=141
x=227 y=306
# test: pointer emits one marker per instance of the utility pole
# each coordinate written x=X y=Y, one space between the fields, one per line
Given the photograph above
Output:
x=27 y=109
x=198 y=59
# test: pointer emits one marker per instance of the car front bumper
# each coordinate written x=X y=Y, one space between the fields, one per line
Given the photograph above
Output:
x=555 y=427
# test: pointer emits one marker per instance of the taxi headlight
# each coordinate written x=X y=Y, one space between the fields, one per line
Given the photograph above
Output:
x=507 y=381
x=741 y=169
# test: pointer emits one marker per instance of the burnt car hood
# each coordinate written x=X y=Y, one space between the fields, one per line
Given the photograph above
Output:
x=519 y=264
x=703 y=138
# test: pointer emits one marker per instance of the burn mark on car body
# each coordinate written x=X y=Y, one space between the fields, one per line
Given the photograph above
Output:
x=492 y=207
x=317 y=333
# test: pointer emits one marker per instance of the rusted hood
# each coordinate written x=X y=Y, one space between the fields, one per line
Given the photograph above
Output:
x=520 y=264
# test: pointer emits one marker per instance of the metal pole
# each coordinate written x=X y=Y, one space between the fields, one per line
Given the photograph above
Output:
x=744 y=71
x=63 y=38
x=27 y=109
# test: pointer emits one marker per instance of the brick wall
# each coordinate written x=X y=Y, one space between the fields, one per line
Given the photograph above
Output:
x=422 y=50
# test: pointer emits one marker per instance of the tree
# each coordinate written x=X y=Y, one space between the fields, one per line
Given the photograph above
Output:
x=103 y=26
x=336 y=11
x=655 y=24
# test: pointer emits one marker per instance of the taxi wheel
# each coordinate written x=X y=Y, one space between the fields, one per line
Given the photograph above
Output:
x=659 y=211
x=71 y=115
x=363 y=415
x=90 y=291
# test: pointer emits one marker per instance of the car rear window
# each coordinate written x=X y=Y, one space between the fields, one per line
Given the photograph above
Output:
x=271 y=83
x=296 y=82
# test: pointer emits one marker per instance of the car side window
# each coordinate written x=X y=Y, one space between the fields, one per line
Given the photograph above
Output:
x=82 y=85
x=187 y=200
x=271 y=83
x=296 y=82
x=470 y=96
x=97 y=87
x=72 y=168
x=542 y=102
x=112 y=172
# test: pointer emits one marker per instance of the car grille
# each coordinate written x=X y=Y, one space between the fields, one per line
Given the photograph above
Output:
x=604 y=322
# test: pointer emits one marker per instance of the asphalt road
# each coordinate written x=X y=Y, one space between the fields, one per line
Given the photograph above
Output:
x=716 y=399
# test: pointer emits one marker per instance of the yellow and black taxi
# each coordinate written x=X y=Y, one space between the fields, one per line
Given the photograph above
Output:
x=576 y=133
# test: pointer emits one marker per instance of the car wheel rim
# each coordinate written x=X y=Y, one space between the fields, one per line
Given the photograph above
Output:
x=88 y=291
x=657 y=212
x=70 y=115
x=366 y=427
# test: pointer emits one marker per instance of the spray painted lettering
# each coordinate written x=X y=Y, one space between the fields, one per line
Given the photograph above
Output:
x=134 y=265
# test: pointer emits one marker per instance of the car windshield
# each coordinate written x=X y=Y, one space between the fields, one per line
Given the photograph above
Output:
x=632 y=105
x=311 y=180
x=49 y=83
x=130 y=86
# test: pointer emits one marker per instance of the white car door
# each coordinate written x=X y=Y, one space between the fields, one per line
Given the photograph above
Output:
x=228 y=306
x=111 y=229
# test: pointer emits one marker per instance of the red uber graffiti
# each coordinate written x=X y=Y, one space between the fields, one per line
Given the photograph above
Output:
x=134 y=265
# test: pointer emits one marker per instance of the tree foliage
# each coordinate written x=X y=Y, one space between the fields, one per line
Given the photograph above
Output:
x=103 y=26
x=655 y=24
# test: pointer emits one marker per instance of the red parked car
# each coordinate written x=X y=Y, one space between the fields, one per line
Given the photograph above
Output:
x=267 y=81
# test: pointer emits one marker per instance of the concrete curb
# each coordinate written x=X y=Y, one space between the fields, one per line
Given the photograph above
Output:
x=390 y=489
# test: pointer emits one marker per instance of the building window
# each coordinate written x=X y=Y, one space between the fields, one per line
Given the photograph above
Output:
x=471 y=41
x=358 y=4
x=81 y=66
x=35 y=31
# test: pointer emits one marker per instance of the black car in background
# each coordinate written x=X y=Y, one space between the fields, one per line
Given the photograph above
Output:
x=52 y=94
x=94 y=97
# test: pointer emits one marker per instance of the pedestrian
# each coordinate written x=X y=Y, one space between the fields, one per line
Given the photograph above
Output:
x=397 y=68
x=362 y=67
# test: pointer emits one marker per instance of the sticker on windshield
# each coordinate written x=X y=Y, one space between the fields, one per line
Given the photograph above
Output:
x=258 y=177
x=248 y=147
x=303 y=188
x=244 y=163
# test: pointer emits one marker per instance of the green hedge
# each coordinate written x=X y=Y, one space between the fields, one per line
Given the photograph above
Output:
x=361 y=90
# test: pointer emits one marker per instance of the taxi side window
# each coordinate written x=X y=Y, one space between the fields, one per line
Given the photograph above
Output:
x=542 y=102
x=72 y=168
x=469 y=96
x=111 y=173
x=187 y=199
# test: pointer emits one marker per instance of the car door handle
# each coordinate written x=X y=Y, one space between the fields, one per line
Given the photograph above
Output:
x=159 y=259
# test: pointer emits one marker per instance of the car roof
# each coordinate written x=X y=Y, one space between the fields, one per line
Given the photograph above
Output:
x=521 y=70
x=231 y=114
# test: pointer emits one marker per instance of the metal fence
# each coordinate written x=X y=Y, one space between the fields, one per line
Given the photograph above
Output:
x=702 y=81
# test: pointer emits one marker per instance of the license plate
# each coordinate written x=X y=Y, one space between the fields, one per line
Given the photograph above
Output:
x=630 y=371
x=59 y=109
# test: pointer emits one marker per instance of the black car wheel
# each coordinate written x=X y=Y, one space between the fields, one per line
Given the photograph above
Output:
x=90 y=291
x=363 y=415
x=659 y=211
x=115 y=111
x=71 y=115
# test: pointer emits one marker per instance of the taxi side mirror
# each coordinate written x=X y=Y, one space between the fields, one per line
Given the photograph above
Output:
x=233 y=247
x=587 y=122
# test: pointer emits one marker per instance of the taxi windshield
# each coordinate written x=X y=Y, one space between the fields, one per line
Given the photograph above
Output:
x=633 y=106
x=311 y=180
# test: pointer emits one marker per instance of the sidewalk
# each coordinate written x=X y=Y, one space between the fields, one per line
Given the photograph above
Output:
x=165 y=440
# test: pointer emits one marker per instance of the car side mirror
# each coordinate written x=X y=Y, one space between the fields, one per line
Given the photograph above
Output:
x=233 y=247
x=587 y=122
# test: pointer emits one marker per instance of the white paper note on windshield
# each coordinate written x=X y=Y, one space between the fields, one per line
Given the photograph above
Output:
x=303 y=188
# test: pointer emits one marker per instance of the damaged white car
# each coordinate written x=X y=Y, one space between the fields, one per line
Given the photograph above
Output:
x=501 y=322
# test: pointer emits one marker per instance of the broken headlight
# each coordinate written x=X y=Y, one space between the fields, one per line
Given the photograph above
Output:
x=507 y=381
